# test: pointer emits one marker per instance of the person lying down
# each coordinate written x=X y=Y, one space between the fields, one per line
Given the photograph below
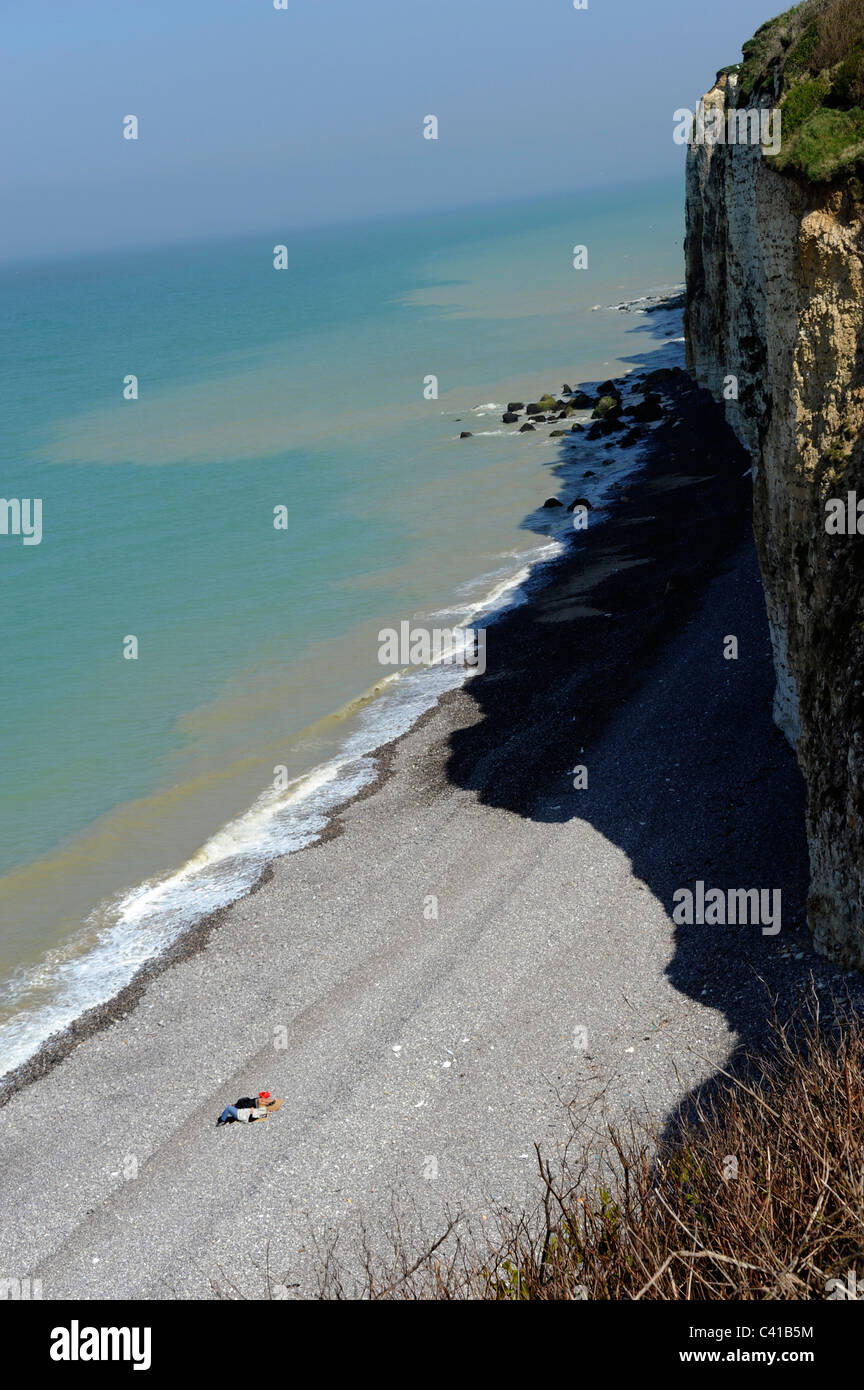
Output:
x=245 y=1110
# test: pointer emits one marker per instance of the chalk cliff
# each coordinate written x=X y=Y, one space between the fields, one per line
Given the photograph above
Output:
x=775 y=327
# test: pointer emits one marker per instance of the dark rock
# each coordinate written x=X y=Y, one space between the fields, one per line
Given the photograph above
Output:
x=631 y=437
x=515 y=405
x=553 y=502
x=577 y=429
x=606 y=408
x=466 y=434
x=539 y=419
x=648 y=409
x=589 y=474
x=526 y=426
x=533 y=408
x=580 y=502
x=568 y=390
x=608 y=388
x=510 y=417
x=557 y=434
x=595 y=430
x=660 y=374
x=581 y=400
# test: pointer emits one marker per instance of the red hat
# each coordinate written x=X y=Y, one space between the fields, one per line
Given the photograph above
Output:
x=264 y=1095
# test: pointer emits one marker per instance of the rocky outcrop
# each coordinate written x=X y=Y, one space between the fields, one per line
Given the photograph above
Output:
x=774 y=324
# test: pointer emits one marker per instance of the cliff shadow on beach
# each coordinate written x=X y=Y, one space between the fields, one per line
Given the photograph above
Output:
x=616 y=663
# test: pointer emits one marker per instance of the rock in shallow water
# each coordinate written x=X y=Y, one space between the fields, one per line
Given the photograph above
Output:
x=606 y=408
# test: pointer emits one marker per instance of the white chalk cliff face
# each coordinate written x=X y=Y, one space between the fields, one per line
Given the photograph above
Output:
x=775 y=290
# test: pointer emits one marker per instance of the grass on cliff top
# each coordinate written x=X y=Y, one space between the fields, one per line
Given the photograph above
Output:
x=811 y=59
x=759 y=1194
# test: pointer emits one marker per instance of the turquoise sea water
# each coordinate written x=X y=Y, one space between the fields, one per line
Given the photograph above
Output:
x=137 y=794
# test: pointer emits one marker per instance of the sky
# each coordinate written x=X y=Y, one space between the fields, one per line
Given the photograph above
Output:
x=256 y=119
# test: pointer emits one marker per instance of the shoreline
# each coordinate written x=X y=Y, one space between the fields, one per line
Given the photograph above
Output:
x=193 y=937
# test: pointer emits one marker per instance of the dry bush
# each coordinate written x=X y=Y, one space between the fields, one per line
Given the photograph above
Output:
x=841 y=31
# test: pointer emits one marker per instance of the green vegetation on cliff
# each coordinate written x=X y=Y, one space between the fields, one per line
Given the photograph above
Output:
x=810 y=61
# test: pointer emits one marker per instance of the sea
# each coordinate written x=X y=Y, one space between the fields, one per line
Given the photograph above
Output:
x=246 y=474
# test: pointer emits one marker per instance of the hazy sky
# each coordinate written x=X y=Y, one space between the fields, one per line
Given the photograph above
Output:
x=258 y=119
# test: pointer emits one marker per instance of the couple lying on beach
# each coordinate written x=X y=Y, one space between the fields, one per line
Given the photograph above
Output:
x=245 y=1110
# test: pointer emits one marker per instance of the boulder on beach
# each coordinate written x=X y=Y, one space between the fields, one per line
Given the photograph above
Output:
x=526 y=426
x=553 y=502
x=539 y=419
x=515 y=405
x=608 y=388
x=509 y=417
x=580 y=502
x=577 y=429
x=557 y=434
x=595 y=431
x=631 y=437
x=648 y=409
x=606 y=408
x=659 y=374
x=589 y=474
x=466 y=434
x=567 y=390
x=533 y=408
x=581 y=400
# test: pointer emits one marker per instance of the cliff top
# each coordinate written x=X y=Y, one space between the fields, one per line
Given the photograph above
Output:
x=811 y=60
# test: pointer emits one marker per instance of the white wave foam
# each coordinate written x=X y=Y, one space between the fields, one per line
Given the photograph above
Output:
x=138 y=925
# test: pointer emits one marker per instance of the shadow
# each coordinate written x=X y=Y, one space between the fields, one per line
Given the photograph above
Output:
x=616 y=663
